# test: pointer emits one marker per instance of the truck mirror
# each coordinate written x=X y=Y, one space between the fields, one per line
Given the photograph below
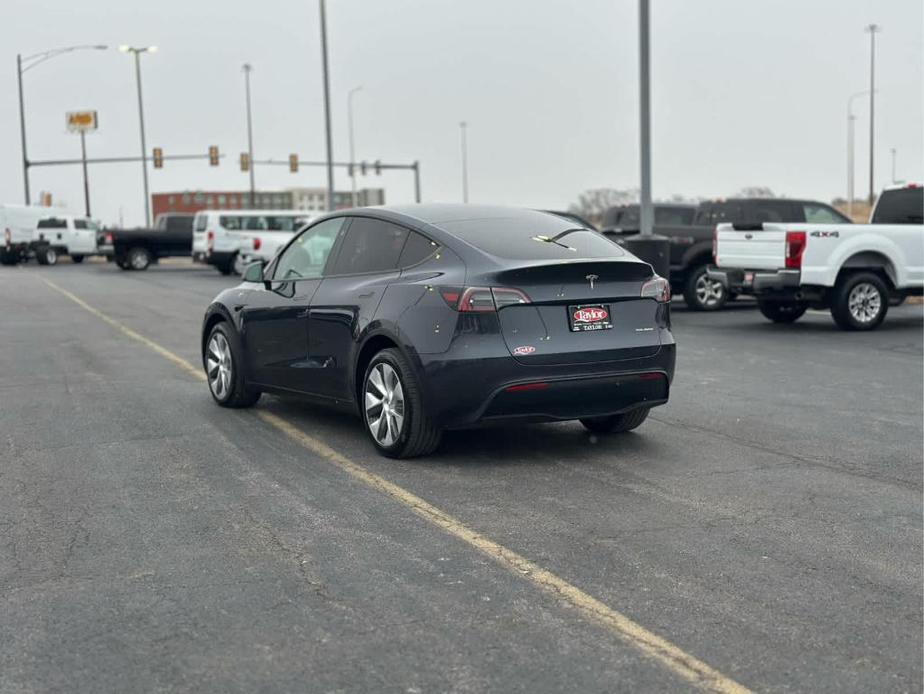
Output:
x=254 y=272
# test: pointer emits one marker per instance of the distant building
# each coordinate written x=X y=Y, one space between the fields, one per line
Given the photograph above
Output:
x=314 y=199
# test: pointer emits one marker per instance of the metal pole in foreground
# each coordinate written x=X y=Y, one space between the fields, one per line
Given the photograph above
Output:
x=463 y=126
x=144 y=149
x=873 y=29
x=646 y=221
x=417 y=182
x=22 y=130
x=247 y=69
x=330 y=146
x=893 y=165
x=352 y=145
x=86 y=180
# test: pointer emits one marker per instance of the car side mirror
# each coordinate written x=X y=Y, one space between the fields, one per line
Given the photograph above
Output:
x=254 y=272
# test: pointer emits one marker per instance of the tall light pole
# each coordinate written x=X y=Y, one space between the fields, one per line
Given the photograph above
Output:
x=893 y=165
x=330 y=143
x=23 y=65
x=352 y=144
x=248 y=68
x=872 y=29
x=144 y=149
x=463 y=128
x=850 y=150
x=646 y=215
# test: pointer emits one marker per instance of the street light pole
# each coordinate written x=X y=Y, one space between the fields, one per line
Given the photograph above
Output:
x=463 y=127
x=851 y=169
x=86 y=180
x=893 y=165
x=144 y=156
x=330 y=144
x=646 y=216
x=873 y=29
x=23 y=65
x=352 y=144
x=247 y=70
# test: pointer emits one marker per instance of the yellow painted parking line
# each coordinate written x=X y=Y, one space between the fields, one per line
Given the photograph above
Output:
x=672 y=657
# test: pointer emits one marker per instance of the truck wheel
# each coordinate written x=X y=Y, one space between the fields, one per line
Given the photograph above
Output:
x=139 y=258
x=46 y=255
x=77 y=258
x=237 y=264
x=782 y=311
x=616 y=423
x=8 y=257
x=702 y=293
x=861 y=301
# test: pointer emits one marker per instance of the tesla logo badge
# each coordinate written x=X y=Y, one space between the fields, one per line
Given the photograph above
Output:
x=591 y=279
x=525 y=349
x=749 y=236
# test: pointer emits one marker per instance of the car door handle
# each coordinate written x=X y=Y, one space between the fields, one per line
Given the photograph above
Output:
x=366 y=295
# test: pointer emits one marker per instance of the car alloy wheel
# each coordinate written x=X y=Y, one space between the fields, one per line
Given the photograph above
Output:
x=864 y=302
x=219 y=366
x=709 y=293
x=384 y=404
x=138 y=259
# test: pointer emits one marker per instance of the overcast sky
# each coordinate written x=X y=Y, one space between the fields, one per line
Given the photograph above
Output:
x=743 y=93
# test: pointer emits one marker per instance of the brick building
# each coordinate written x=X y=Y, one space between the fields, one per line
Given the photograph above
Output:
x=315 y=199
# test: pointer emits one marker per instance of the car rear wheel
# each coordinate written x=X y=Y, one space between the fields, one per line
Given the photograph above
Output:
x=861 y=301
x=782 y=311
x=702 y=293
x=8 y=258
x=222 y=362
x=237 y=264
x=46 y=255
x=616 y=423
x=392 y=407
x=138 y=258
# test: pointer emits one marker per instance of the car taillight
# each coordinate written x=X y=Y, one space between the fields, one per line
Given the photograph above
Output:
x=210 y=240
x=795 y=247
x=108 y=239
x=658 y=289
x=257 y=242
x=482 y=299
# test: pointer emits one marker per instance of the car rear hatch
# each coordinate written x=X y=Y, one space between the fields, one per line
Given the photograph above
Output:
x=750 y=246
x=580 y=312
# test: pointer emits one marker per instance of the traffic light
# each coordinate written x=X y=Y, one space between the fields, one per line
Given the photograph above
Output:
x=293 y=163
x=362 y=168
x=245 y=161
x=158 y=158
x=378 y=167
x=213 y=155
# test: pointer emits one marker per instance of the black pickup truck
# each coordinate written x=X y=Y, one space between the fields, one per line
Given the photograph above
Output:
x=136 y=249
x=690 y=233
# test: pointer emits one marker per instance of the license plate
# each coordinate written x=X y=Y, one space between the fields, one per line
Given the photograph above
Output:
x=589 y=317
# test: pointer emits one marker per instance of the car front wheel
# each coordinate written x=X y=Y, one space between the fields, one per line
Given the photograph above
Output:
x=860 y=301
x=616 y=423
x=139 y=258
x=702 y=293
x=392 y=407
x=223 y=359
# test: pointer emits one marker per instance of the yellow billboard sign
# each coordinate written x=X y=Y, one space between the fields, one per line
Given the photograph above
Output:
x=81 y=121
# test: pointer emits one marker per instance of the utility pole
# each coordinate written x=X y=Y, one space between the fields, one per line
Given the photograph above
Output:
x=352 y=144
x=144 y=149
x=851 y=168
x=330 y=144
x=86 y=180
x=646 y=216
x=894 y=180
x=873 y=29
x=248 y=68
x=463 y=127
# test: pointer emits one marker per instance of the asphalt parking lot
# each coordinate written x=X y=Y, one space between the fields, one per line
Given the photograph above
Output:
x=767 y=522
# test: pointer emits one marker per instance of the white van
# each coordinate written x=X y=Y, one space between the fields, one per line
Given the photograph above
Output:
x=17 y=231
x=230 y=239
x=65 y=234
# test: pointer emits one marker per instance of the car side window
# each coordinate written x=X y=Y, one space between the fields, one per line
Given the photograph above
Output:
x=307 y=255
x=370 y=245
x=80 y=224
x=703 y=216
x=417 y=248
x=821 y=214
x=201 y=222
x=772 y=211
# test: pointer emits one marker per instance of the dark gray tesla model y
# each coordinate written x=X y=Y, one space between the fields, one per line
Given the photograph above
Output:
x=430 y=317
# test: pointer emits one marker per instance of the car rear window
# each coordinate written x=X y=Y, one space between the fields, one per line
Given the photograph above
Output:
x=52 y=223
x=901 y=206
x=532 y=238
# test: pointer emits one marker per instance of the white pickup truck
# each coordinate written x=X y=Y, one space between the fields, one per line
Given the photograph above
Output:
x=855 y=270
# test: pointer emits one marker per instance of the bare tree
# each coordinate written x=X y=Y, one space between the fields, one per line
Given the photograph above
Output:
x=592 y=204
x=755 y=192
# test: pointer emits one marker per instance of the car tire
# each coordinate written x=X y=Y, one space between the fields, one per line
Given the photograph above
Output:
x=860 y=301
x=223 y=361
x=701 y=293
x=782 y=311
x=77 y=258
x=138 y=258
x=237 y=264
x=616 y=423
x=46 y=255
x=224 y=268
x=392 y=408
x=8 y=258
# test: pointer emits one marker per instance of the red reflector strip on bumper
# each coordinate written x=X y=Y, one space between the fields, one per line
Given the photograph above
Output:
x=526 y=386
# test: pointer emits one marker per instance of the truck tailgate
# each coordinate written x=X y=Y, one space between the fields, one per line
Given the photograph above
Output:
x=751 y=249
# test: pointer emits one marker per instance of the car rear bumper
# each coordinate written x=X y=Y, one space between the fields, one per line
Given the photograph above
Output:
x=468 y=392
x=756 y=282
